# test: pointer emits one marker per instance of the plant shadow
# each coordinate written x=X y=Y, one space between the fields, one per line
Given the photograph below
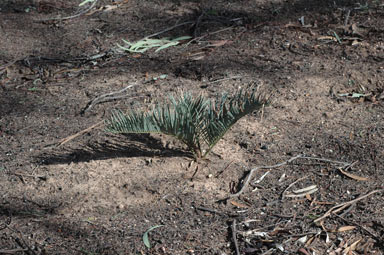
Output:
x=115 y=146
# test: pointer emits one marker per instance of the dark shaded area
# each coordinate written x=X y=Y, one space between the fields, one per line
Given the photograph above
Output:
x=27 y=207
x=55 y=77
x=207 y=18
x=125 y=146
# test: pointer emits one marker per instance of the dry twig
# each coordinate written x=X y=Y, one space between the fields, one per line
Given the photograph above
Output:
x=41 y=177
x=249 y=177
x=169 y=29
x=73 y=16
x=290 y=185
x=374 y=236
x=71 y=137
x=13 y=251
x=106 y=98
x=342 y=206
x=234 y=232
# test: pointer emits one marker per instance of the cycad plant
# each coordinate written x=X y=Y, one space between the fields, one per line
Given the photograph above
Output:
x=196 y=121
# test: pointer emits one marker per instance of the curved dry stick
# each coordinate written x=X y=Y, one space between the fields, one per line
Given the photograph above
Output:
x=71 y=137
x=340 y=207
x=249 y=177
x=73 y=16
x=107 y=97
x=234 y=232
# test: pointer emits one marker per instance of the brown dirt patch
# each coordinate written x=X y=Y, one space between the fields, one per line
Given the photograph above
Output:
x=99 y=193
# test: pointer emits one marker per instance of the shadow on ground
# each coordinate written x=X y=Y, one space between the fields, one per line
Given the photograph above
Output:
x=125 y=146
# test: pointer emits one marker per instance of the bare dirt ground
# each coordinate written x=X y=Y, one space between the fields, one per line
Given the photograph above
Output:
x=98 y=193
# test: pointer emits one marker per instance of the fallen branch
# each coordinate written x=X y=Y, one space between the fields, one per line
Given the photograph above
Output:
x=290 y=185
x=342 y=206
x=374 y=236
x=13 y=251
x=73 y=16
x=69 y=138
x=249 y=177
x=41 y=177
x=106 y=98
x=169 y=29
x=234 y=232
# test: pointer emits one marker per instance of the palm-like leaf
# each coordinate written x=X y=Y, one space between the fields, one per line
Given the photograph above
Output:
x=134 y=122
x=226 y=112
x=194 y=121
x=182 y=120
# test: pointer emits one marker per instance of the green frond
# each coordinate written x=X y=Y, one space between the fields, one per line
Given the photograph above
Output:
x=197 y=122
x=182 y=120
x=227 y=112
x=134 y=122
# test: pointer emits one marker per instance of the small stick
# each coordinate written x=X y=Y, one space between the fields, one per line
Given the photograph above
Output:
x=222 y=171
x=340 y=207
x=170 y=28
x=293 y=183
x=204 y=209
x=69 y=138
x=197 y=23
x=21 y=242
x=10 y=63
x=345 y=164
x=73 y=16
x=42 y=177
x=212 y=33
x=13 y=251
x=106 y=97
x=362 y=227
x=225 y=79
x=234 y=237
x=347 y=17
x=249 y=177
x=194 y=173
x=269 y=251
x=262 y=113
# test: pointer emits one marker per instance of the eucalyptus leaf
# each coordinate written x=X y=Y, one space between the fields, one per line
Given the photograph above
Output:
x=85 y=2
x=147 y=43
x=145 y=236
x=181 y=38
x=170 y=44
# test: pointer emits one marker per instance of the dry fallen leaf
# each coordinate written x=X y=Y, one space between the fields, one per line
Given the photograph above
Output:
x=310 y=240
x=357 y=30
x=218 y=43
x=198 y=58
x=306 y=189
x=304 y=251
x=109 y=7
x=358 y=178
x=326 y=38
x=351 y=248
x=345 y=228
x=237 y=204
x=302 y=192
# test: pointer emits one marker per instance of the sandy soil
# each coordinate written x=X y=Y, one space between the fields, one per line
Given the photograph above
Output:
x=98 y=193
